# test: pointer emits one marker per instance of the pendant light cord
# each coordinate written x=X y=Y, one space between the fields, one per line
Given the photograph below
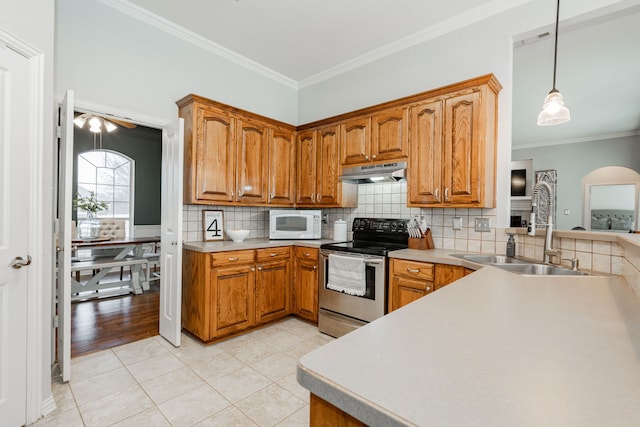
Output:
x=555 y=49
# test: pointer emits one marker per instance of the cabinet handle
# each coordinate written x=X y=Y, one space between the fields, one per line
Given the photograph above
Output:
x=318 y=197
x=253 y=269
x=437 y=194
x=373 y=156
x=240 y=193
x=428 y=288
x=413 y=270
x=313 y=198
x=446 y=194
x=366 y=157
x=306 y=255
x=260 y=268
x=234 y=258
x=274 y=254
x=315 y=267
x=232 y=193
x=271 y=195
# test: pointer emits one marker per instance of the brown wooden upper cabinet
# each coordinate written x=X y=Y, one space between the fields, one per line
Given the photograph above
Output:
x=452 y=147
x=318 y=170
x=381 y=137
x=235 y=157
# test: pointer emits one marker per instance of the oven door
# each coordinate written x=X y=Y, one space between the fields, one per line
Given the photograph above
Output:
x=364 y=308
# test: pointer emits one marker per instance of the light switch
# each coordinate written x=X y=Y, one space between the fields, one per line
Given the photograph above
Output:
x=483 y=225
x=457 y=223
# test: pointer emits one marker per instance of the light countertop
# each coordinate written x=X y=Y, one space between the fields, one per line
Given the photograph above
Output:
x=493 y=348
x=228 y=245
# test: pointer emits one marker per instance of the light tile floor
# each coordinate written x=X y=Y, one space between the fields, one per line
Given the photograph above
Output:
x=248 y=380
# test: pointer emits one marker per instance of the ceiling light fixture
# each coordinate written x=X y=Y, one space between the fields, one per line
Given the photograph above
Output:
x=95 y=123
x=554 y=111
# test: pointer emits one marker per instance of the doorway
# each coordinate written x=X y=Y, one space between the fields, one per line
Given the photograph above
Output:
x=132 y=195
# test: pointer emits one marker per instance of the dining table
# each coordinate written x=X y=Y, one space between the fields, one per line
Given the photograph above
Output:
x=101 y=256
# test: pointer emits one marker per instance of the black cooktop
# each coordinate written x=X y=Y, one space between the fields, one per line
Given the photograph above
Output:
x=374 y=236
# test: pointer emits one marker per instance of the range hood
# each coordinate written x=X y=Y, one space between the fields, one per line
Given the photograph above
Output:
x=384 y=172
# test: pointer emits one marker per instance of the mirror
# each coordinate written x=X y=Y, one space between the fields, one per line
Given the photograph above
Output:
x=611 y=196
x=597 y=73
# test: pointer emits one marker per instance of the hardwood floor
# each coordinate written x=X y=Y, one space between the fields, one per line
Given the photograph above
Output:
x=104 y=323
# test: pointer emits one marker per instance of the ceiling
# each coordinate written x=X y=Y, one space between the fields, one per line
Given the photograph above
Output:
x=303 y=41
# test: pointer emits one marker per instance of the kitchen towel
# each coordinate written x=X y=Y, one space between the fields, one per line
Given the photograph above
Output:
x=347 y=274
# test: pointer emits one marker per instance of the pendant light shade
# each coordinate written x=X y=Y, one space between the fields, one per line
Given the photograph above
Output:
x=554 y=112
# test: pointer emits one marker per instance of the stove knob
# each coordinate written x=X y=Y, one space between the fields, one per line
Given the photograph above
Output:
x=394 y=226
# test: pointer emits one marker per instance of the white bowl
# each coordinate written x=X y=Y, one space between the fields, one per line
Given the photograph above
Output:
x=238 y=235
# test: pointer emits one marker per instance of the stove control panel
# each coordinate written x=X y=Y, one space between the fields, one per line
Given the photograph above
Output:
x=380 y=225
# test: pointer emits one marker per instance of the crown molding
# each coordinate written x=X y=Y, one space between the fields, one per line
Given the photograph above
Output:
x=143 y=15
x=609 y=136
x=452 y=24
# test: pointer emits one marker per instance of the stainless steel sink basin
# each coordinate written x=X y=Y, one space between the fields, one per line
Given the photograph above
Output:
x=539 y=270
x=488 y=259
x=519 y=266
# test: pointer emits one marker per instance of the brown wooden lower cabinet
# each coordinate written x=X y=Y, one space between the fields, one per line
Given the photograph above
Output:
x=305 y=286
x=324 y=414
x=411 y=280
x=224 y=293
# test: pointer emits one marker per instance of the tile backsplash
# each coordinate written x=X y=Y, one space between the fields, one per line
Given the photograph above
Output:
x=383 y=200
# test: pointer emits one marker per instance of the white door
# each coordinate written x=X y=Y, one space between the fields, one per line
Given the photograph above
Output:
x=171 y=234
x=63 y=282
x=14 y=185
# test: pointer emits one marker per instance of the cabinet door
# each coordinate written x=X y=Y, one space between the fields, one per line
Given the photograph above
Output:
x=273 y=290
x=306 y=288
x=328 y=167
x=462 y=139
x=252 y=162
x=215 y=156
x=390 y=134
x=233 y=302
x=281 y=167
x=425 y=154
x=445 y=274
x=356 y=141
x=404 y=291
x=306 y=168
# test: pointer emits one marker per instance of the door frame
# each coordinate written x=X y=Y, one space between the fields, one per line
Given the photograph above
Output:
x=40 y=245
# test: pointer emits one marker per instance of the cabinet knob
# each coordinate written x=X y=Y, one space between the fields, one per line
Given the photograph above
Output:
x=235 y=258
x=373 y=156
x=315 y=267
x=253 y=269
x=260 y=268
x=366 y=157
x=413 y=270
x=428 y=288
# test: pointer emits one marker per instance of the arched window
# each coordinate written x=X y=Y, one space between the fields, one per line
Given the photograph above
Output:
x=109 y=175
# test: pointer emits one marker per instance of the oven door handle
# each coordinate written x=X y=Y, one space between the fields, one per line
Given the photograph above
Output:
x=373 y=262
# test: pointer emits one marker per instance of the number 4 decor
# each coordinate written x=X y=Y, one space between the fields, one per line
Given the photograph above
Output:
x=212 y=222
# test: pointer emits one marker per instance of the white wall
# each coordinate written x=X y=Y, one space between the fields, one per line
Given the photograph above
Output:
x=111 y=59
x=32 y=21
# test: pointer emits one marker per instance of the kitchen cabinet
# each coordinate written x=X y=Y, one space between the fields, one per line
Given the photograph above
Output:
x=305 y=288
x=234 y=157
x=381 y=137
x=452 y=147
x=411 y=280
x=224 y=293
x=318 y=170
x=273 y=283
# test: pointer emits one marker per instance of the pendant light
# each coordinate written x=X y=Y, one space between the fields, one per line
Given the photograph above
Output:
x=554 y=111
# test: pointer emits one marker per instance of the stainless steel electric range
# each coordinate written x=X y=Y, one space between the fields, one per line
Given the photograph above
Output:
x=353 y=275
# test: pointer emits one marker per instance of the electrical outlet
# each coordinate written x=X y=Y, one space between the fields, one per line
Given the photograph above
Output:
x=325 y=218
x=456 y=223
x=483 y=225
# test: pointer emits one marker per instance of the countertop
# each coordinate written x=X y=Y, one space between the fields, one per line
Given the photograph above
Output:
x=228 y=245
x=493 y=348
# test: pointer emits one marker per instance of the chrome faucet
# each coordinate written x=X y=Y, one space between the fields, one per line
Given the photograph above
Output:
x=548 y=237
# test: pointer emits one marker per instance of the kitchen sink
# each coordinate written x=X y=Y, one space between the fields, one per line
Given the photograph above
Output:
x=539 y=269
x=520 y=266
x=489 y=259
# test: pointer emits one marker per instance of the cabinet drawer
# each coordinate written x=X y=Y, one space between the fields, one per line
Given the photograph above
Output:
x=272 y=254
x=307 y=253
x=231 y=258
x=413 y=269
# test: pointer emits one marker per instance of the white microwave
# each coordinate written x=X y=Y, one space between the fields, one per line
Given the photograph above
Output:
x=295 y=224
